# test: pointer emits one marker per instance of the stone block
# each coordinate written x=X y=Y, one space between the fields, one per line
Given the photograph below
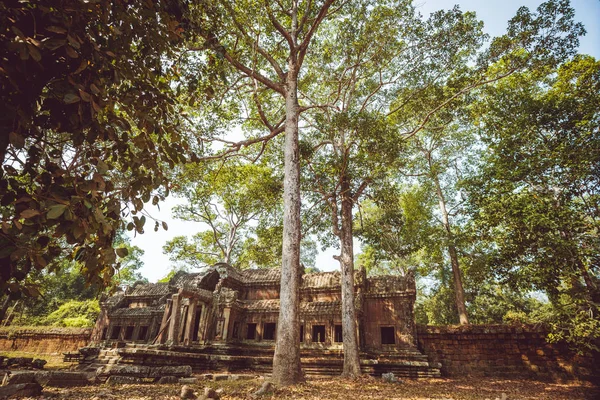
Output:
x=123 y=380
x=20 y=390
x=220 y=377
x=163 y=380
x=17 y=377
x=38 y=363
x=63 y=378
x=189 y=381
x=171 y=370
x=140 y=371
x=210 y=393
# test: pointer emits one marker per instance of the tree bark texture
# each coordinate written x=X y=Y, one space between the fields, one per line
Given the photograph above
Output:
x=346 y=259
x=4 y=307
x=286 y=361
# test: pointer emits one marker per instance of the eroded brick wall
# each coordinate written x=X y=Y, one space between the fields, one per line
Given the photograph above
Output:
x=45 y=340
x=503 y=350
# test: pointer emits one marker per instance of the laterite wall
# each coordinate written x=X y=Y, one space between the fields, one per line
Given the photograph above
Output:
x=43 y=340
x=504 y=350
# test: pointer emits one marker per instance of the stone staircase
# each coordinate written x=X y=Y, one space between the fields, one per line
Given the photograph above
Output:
x=105 y=357
x=408 y=363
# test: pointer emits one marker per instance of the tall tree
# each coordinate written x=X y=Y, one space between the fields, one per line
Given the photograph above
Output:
x=372 y=52
x=259 y=51
x=442 y=158
x=437 y=143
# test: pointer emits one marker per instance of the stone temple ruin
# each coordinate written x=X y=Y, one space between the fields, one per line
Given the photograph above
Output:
x=224 y=318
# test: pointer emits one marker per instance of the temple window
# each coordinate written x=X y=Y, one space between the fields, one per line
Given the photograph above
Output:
x=337 y=336
x=143 y=333
x=318 y=333
x=269 y=331
x=115 y=332
x=251 y=333
x=387 y=335
x=128 y=333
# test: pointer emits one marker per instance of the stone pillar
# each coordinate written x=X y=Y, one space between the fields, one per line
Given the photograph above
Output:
x=175 y=320
x=162 y=332
x=191 y=322
x=226 y=313
x=182 y=322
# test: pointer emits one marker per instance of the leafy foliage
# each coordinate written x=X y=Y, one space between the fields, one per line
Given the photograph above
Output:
x=74 y=313
x=240 y=204
x=536 y=195
x=88 y=121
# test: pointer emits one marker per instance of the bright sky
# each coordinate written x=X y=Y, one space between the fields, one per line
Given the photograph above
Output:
x=494 y=13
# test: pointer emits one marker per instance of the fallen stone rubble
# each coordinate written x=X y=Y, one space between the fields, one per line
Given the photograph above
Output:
x=21 y=362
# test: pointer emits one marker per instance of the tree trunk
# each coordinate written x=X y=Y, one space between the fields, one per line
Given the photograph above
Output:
x=458 y=285
x=346 y=259
x=4 y=308
x=286 y=361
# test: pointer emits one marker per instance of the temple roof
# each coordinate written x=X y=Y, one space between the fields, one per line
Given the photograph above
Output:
x=262 y=275
x=137 y=312
x=321 y=280
x=184 y=279
x=310 y=307
x=149 y=289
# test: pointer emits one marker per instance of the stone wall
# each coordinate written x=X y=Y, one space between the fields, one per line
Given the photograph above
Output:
x=43 y=340
x=503 y=350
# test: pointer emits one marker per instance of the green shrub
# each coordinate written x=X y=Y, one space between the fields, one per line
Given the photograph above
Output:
x=75 y=313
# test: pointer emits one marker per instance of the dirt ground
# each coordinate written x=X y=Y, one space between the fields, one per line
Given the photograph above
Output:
x=341 y=389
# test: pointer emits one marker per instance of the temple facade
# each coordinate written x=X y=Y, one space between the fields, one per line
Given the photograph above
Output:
x=223 y=304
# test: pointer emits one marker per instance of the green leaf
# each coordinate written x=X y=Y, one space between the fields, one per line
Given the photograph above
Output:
x=56 y=211
x=29 y=213
x=71 y=98
x=102 y=167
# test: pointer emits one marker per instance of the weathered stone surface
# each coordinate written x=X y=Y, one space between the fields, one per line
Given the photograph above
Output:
x=189 y=381
x=38 y=363
x=211 y=393
x=89 y=351
x=20 y=390
x=62 y=378
x=48 y=378
x=16 y=377
x=221 y=377
x=140 y=371
x=171 y=370
x=144 y=371
x=506 y=350
x=20 y=361
x=187 y=393
x=164 y=380
x=265 y=388
x=389 y=377
x=123 y=380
